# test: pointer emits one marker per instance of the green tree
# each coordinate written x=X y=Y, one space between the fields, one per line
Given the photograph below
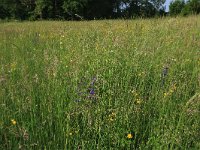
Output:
x=194 y=6
x=100 y=8
x=176 y=7
x=144 y=8
x=90 y=9
x=186 y=10
x=5 y=10
x=147 y=9
x=23 y=8
x=57 y=9
x=73 y=8
x=43 y=9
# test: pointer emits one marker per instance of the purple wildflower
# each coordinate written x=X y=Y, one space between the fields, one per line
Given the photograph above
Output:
x=92 y=91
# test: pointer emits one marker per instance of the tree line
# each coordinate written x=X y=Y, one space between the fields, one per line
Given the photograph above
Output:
x=180 y=7
x=93 y=9
x=79 y=9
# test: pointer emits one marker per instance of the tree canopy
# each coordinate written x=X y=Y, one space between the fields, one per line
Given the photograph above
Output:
x=180 y=7
x=79 y=9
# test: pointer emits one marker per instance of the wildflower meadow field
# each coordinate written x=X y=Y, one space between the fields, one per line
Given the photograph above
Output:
x=110 y=84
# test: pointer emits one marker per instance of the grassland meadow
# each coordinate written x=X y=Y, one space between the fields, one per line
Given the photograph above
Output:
x=109 y=84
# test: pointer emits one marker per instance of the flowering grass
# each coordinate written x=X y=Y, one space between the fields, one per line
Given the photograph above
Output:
x=123 y=84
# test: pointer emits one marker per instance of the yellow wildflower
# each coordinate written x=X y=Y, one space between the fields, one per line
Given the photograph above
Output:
x=138 y=101
x=13 y=122
x=165 y=94
x=134 y=92
x=129 y=136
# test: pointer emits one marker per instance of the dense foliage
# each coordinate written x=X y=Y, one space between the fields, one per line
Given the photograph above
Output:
x=180 y=7
x=79 y=9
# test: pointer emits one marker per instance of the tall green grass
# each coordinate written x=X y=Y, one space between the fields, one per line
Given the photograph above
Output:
x=124 y=84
